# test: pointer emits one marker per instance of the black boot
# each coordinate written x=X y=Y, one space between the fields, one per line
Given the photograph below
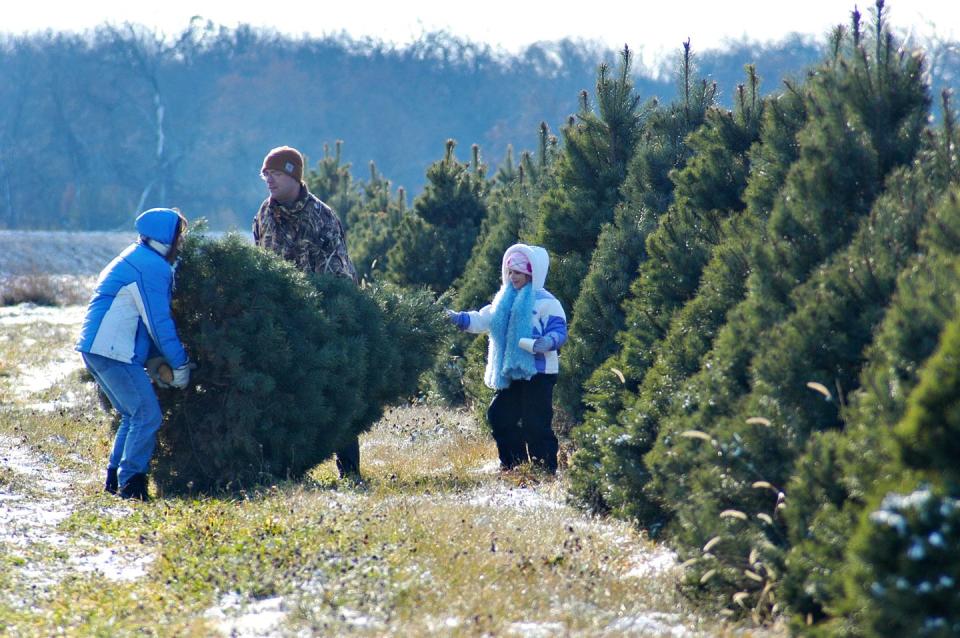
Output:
x=111 y=485
x=348 y=460
x=135 y=487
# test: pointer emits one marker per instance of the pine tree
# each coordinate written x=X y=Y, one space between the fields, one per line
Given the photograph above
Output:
x=373 y=225
x=905 y=562
x=923 y=303
x=511 y=202
x=841 y=169
x=928 y=437
x=694 y=329
x=593 y=165
x=708 y=189
x=290 y=366
x=904 y=558
x=837 y=312
x=435 y=239
x=646 y=194
x=332 y=182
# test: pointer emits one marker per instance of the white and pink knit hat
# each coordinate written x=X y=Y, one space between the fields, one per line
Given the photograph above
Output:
x=519 y=262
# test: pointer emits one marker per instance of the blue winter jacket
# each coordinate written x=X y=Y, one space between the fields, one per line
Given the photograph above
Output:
x=128 y=318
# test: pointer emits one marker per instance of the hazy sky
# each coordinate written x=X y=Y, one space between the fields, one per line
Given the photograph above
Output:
x=648 y=26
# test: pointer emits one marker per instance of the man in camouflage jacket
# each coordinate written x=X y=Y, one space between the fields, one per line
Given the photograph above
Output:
x=295 y=224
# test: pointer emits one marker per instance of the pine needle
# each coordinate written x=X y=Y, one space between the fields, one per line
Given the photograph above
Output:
x=766 y=518
x=733 y=514
x=712 y=543
x=822 y=389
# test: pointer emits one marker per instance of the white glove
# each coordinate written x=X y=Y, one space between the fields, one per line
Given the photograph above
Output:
x=181 y=375
x=153 y=370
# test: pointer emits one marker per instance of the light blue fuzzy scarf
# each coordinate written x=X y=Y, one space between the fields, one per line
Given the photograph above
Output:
x=512 y=320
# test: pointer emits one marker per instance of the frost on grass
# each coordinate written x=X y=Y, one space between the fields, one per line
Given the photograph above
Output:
x=652 y=624
x=646 y=560
x=113 y=564
x=35 y=380
x=235 y=617
x=27 y=313
x=537 y=629
x=66 y=253
x=37 y=495
x=654 y=562
x=522 y=498
x=33 y=503
x=44 y=338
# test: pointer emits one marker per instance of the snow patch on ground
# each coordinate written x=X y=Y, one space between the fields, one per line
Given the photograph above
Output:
x=490 y=467
x=31 y=519
x=652 y=624
x=653 y=562
x=30 y=313
x=234 y=617
x=21 y=460
x=442 y=625
x=524 y=498
x=537 y=629
x=359 y=620
x=114 y=564
x=34 y=379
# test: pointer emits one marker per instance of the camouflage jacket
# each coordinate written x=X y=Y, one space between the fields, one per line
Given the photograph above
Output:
x=306 y=232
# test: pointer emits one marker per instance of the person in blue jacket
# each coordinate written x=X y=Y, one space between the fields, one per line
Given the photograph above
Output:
x=526 y=326
x=128 y=322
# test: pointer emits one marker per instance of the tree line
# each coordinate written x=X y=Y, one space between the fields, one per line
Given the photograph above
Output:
x=99 y=125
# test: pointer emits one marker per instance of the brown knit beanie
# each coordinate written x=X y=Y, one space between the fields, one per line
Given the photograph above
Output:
x=285 y=159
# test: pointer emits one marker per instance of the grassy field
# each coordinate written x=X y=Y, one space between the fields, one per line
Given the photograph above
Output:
x=434 y=541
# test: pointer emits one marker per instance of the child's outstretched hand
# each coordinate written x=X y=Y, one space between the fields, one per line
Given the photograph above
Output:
x=460 y=320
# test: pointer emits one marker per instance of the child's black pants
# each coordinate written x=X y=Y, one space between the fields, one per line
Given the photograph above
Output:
x=521 y=418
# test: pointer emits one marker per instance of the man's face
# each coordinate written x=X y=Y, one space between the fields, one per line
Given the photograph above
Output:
x=282 y=187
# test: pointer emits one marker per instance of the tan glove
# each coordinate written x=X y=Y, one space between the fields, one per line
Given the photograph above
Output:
x=160 y=372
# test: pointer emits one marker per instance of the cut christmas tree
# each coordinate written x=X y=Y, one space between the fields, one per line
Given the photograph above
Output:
x=289 y=366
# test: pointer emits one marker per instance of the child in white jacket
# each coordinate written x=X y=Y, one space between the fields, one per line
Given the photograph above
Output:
x=526 y=326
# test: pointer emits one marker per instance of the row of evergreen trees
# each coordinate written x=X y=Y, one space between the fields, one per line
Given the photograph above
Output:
x=763 y=328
